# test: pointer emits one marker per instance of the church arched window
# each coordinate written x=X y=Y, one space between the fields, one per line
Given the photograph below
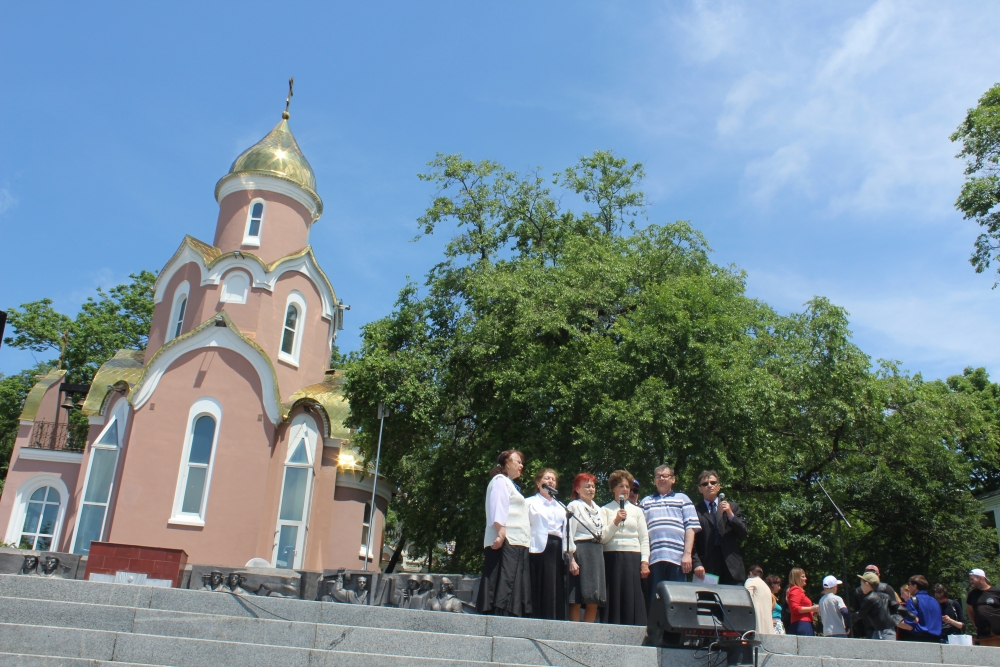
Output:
x=197 y=459
x=292 y=329
x=296 y=491
x=255 y=220
x=175 y=326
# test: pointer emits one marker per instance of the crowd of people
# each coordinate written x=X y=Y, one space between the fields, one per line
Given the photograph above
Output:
x=582 y=561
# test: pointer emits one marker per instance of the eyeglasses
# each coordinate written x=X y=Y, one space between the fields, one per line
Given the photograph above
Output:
x=664 y=476
x=709 y=484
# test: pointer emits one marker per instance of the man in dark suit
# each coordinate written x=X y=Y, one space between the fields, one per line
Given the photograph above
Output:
x=716 y=546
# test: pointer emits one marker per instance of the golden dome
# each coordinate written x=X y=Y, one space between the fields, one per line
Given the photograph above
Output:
x=277 y=155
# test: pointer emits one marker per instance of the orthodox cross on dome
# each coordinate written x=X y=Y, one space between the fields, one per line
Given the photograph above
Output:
x=288 y=100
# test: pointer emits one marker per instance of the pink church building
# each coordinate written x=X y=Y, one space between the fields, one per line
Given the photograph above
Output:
x=225 y=436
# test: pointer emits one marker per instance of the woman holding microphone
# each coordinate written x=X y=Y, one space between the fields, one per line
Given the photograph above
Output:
x=626 y=554
x=548 y=530
x=586 y=557
x=505 y=588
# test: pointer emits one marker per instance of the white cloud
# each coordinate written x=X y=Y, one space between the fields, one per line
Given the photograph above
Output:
x=7 y=200
x=933 y=327
x=785 y=167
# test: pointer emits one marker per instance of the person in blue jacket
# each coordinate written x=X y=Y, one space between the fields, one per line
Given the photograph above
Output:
x=927 y=611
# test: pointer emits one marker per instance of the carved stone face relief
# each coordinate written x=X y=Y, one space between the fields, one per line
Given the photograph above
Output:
x=30 y=565
x=50 y=565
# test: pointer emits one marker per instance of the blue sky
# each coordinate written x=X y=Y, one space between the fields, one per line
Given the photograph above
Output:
x=808 y=142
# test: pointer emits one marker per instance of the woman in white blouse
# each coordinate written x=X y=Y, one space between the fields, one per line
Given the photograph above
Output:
x=586 y=562
x=548 y=530
x=505 y=588
x=626 y=554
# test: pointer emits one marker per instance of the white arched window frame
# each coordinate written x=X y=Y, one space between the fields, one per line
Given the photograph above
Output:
x=99 y=481
x=292 y=329
x=235 y=288
x=195 y=516
x=175 y=326
x=23 y=497
x=255 y=222
x=296 y=493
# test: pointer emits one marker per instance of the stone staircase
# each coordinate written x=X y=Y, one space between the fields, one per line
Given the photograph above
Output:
x=65 y=623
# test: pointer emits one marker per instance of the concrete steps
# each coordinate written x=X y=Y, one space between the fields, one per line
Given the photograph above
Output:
x=45 y=622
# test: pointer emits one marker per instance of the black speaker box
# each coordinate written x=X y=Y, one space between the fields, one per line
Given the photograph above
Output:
x=698 y=615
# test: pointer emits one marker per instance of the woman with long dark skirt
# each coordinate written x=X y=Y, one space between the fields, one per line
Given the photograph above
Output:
x=586 y=557
x=626 y=554
x=505 y=587
x=548 y=569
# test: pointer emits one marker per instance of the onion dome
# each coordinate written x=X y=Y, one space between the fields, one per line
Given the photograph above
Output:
x=276 y=155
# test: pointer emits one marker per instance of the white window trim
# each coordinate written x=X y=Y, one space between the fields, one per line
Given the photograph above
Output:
x=119 y=414
x=183 y=290
x=203 y=406
x=226 y=296
x=363 y=551
x=301 y=423
x=254 y=240
x=24 y=492
x=300 y=326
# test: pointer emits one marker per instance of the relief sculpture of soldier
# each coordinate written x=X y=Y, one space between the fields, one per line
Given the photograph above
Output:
x=335 y=591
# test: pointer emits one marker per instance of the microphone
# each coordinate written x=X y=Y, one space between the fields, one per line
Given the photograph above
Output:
x=621 y=501
x=722 y=497
x=551 y=489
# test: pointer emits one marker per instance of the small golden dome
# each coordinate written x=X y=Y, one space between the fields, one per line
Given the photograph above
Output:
x=277 y=155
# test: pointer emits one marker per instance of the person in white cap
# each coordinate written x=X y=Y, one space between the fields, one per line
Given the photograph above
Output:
x=832 y=610
x=983 y=604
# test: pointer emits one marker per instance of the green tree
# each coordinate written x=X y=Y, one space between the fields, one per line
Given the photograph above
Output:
x=979 y=134
x=117 y=319
x=591 y=346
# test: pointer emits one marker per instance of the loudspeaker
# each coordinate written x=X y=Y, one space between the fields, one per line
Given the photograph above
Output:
x=699 y=615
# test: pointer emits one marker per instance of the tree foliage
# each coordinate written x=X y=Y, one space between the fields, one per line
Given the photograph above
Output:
x=592 y=345
x=117 y=319
x=979 y=134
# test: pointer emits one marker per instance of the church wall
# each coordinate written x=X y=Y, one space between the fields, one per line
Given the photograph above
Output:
x=238 y=479
x=343 y=540
x=314 y=356
x=320 y=520
x=244 y=315
x=22 y=471
x=285 y=228
x=190 y=272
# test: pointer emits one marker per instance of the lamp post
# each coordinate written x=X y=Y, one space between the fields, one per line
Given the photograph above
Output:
x=840 y=534
x=371 y=513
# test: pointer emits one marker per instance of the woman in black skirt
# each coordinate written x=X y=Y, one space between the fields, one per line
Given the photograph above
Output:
x=626 y=555
x=586 y=557
x=548 y=530
x=505 y=588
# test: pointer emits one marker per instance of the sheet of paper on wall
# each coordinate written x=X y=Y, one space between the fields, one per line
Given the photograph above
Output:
x=710 y=579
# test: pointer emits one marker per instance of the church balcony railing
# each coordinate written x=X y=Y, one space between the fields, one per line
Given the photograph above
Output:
x=61 y=437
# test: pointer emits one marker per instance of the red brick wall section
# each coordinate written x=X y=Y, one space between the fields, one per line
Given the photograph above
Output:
x=154 y=562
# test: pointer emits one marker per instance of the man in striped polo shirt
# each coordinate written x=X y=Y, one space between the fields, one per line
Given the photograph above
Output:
x=672 y=522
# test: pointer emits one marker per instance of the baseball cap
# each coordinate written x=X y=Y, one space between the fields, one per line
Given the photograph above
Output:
x=829 y=581
x=870 y=577
x=873 y=568
x=978 y=572
x=635 y=483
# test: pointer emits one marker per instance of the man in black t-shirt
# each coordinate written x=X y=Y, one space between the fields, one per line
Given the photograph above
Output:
x=983 y=604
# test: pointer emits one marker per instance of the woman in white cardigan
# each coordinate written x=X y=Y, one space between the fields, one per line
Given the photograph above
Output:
x=505 y=587
x=626 y=554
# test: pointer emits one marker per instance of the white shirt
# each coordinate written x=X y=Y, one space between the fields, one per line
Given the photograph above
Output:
x=505 y=506
x=547 y=517
x=631 y=534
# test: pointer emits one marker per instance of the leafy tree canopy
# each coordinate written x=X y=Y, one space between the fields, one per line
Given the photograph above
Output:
x=979 y=134
x=114 y=320
x=117 y=319
x=592 y=346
